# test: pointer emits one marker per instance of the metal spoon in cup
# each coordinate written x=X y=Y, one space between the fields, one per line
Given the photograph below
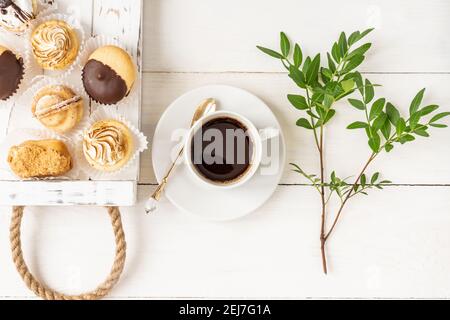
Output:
x=206 y=107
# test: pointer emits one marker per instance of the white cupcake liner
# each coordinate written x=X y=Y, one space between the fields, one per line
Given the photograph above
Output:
x=21 y=115
x=139 y=141
x=16 y=45
x=93 y=44
x=18 y=137
x=74 y=23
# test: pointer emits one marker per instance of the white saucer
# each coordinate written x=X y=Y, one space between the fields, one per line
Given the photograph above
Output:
x=183 y=189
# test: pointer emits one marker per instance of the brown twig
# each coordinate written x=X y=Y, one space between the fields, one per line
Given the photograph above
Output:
x=324 y=204
x=372 y=157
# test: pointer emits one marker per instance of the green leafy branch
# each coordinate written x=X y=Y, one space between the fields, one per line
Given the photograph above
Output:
x=382 y=122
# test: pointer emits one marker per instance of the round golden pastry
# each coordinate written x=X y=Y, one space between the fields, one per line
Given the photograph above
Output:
x=58 y=108
x=109 y=75
x=55 y=45
x=40 y=159
x=108 y=145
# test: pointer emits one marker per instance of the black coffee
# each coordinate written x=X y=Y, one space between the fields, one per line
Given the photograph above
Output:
x=222 y=150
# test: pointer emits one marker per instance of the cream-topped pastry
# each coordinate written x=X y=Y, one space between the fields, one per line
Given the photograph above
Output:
x=15 y=15
x=55 y=45
x=108 y=145
x=58 y=108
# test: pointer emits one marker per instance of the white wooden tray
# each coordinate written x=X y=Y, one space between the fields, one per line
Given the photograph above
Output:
x=113 y=18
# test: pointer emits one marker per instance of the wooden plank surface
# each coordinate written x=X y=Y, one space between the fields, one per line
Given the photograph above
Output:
x=392 y=244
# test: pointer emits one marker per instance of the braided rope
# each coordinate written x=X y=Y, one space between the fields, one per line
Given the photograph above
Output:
x=42 y=291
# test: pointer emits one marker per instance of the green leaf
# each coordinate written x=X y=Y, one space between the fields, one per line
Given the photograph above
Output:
x=380 y=121
x=389 y=147
x=271 y=52
x=358 y=104
x=330 y=114
x=298 y=56
x=359 y=82
x=335 y=52
x=377 y=108
x=354 y=37
x=348 y=85
x=428 y=109
x=331 y=64
x=386 y=130
x=375 y=178
x=422 y=133
x=343 y=47
x=374 y=142
x=415 y=104
x=439 y=116
x=400 y=127
x=353 y=63
x=304 y=124
x=370 y=93
x=306 y=65
x=414 y=120
x=363 y=180
x=326 y=74
x=365 y=33
x=360 y=51
x=298 y=101
x=358 y=125
x=298 y=77
x=406 y=138
x=437 y=125
x=285 y=45
x=313 y=70
x=393 y=113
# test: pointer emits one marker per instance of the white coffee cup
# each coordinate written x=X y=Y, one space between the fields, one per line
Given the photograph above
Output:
x=255 y=157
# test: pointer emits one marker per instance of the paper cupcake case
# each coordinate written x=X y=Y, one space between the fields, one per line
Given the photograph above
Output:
x=103 y=113
x=93 y=44
x=71 y=21
x=21 y=114
x=17 y=46
x=18 y=137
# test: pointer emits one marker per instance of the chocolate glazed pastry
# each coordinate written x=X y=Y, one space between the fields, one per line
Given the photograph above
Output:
x=102 y=83
x=11 y=73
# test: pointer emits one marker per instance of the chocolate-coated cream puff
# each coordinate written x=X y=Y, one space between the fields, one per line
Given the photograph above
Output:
x=11 y=73
x=109 y=75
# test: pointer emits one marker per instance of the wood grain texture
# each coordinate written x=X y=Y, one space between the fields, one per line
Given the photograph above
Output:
x=198 y=36
x=385 y=249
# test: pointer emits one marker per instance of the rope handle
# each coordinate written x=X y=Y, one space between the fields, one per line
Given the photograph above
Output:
x=48 y=294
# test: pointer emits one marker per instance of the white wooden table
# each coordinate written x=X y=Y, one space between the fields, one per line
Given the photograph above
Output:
x=395 y=243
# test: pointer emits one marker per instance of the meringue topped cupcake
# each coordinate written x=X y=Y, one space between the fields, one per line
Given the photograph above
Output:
x=108 y=145
x=55 y=45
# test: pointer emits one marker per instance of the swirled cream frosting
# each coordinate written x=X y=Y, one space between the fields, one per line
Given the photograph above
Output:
x=55 y=45
x=107 y=145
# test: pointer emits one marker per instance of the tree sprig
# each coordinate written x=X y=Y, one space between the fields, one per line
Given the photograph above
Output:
x=324 y=84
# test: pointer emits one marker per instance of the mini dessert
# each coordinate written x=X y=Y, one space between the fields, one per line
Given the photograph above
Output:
x=108 y=145
x=58 y=108
x=11 y=73
x=15 y=15
x=109 y=75
x=40 y=159
x=55 y=45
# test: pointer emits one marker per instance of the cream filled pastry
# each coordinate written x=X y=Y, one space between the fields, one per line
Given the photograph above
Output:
x=55 y=45
x=15 y=15
x=108 y=145
x=58 y=108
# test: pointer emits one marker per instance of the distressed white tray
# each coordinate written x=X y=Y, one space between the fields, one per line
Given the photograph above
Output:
x=113 y=18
